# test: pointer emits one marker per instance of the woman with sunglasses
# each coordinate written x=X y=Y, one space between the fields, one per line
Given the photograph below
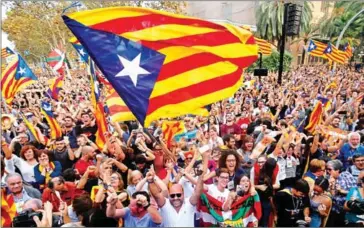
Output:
x=355 y=215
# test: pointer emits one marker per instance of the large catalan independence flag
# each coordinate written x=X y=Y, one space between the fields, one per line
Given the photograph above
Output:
x=16 y=76
x=316 y=48
x=162 y=64
x=335 y=54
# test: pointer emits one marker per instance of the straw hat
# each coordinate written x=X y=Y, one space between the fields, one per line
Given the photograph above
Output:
x=7 y=121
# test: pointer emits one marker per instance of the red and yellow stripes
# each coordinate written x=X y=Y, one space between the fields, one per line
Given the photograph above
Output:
x=348 y=51
x=319 y=51
x=315 y=117
x=117 y=107
x=336 y=55
x=56 y=130
x=8 y=208
x=204 y=60
x=264 y=47
x=9 y=85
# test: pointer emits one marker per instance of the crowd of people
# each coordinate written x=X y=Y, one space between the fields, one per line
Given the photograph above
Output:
x=254 y=144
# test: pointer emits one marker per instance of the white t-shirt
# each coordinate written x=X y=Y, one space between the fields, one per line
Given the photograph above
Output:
x=188 y=187
x=218 y=142
x=220 y=196
x=25 y=168
x=184 y=218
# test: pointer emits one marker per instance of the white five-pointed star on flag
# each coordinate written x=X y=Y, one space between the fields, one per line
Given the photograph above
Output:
x=22 y=71
x=82 y=52
x=312 y=46
x=131 y=69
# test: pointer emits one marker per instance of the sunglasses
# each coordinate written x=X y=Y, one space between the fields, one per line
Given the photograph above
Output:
x=189 y=158
x=178 y=195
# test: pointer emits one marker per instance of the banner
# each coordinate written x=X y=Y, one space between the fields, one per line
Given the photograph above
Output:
x=243 y=213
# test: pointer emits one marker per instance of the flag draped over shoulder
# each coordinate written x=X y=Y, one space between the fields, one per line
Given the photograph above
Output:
x=16 y=76
x=244 y=212
x=264 y=46
x=55 y=85
x=46 y=110
x=335 y=54
x=316 y=48
x=8 y=208
x=315 y=117
x=162 y=64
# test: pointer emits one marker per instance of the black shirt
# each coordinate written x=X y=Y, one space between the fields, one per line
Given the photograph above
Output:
x=290 y=208
x=90 y=132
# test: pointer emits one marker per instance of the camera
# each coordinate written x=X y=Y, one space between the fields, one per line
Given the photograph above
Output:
x=25 y=219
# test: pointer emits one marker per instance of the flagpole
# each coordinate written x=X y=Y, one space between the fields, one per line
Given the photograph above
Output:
x=68 y=71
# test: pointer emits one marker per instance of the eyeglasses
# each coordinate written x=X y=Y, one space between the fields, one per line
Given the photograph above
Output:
x=261 y=162
x=178 y=195
x=231 y=160
x=224 y=177
x=189 y=158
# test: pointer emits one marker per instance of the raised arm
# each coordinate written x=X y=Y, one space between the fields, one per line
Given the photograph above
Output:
x=154 y=189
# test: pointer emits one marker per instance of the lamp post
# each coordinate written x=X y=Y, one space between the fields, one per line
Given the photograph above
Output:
x=343 y=31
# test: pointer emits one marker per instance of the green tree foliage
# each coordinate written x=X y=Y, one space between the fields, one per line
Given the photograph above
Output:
x=269 y=16
x=37 y=26
x=343 y=11
x=271 y=62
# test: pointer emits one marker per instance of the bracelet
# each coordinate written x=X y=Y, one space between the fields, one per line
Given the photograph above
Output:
x=150 y=181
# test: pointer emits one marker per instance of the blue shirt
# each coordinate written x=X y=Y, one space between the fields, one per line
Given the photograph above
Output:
x=145 y=221
x=351 y=217
x=346 y=152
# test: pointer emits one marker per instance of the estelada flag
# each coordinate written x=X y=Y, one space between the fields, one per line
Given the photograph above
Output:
x=16 y=76
x=315 y=117
x=335 y=54
x=316 y=48
x=162 y=64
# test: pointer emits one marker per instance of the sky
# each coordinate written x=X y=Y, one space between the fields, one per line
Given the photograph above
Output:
x=4 y=37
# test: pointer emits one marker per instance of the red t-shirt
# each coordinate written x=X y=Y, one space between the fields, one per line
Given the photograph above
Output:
x=243 y=123
x=82 y=165
x=233 y=129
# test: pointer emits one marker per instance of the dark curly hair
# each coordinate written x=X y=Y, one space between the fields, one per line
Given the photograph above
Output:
x=225 y=154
